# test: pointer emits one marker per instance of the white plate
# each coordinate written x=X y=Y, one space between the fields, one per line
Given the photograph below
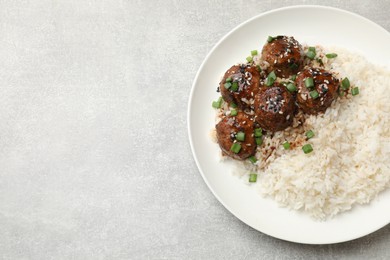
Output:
x=313 y=25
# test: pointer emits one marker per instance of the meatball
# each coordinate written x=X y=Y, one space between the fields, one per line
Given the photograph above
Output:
x=284 y=55
x=274 y=108
x=239 y=85
x=230 y=131
x=317 y=89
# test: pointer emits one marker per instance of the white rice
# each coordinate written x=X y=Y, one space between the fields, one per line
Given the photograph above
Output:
x=350 y=162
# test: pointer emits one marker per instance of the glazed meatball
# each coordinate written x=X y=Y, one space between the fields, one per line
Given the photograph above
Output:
x=317 y=89
x=240 y=84
x=284 y=55
x=274 y=108
x=229 y=129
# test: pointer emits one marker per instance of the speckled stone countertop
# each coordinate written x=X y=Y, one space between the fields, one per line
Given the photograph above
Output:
x=95 y=161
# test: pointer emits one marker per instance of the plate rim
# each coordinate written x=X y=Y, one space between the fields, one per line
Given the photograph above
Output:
x=190 y=107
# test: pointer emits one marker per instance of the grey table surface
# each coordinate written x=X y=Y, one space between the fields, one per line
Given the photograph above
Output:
x=95 y=161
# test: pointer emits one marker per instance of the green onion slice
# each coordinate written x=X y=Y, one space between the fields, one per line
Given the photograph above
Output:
x=314 y=94
x=228 y=79
x=270 y=39
x=286 y=145
x=345 y=84
x=309 y=134
x=252 y=177
x=355 y=91
x=331 y=55
x=258 y=132
x=293 y=66
x=270 y=79
x=227 y=85
x=252 y=159
x=234 y=86
x=218 y=103
x=233 y=112
x=240 y=136
x=307 y=148
x=309 y=82
x=235 y=148
x=233 y=105
x=254 y=52
x=311 y=55
x=249 y=58
x=259 y=141
x=291 y=87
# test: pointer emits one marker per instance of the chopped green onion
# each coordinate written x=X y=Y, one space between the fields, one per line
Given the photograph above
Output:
x=259 y=141
x=249 y=58
x=331 y=55
x=233 y=105
x=314 y=94
x=258 y=132
x=286 y=145
x=270 y=39
x=291 y=87
x=234 y=86
x=254 y=52
x=218 y=103
x=309 y=82
x=313 y=49
x=236 y=147
x=309 y=134
x=293 y=66
x=233 y=112
x=307 y=148
x=293 y=77
x=252 y=159
x=355 y=91
x=345 y=84
x=252 y=177
x=228 y=79
x=311 y=55
x=240 y=136
x=270 y=79
x=258 y=68
x=227 y=85
x=319 y=61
